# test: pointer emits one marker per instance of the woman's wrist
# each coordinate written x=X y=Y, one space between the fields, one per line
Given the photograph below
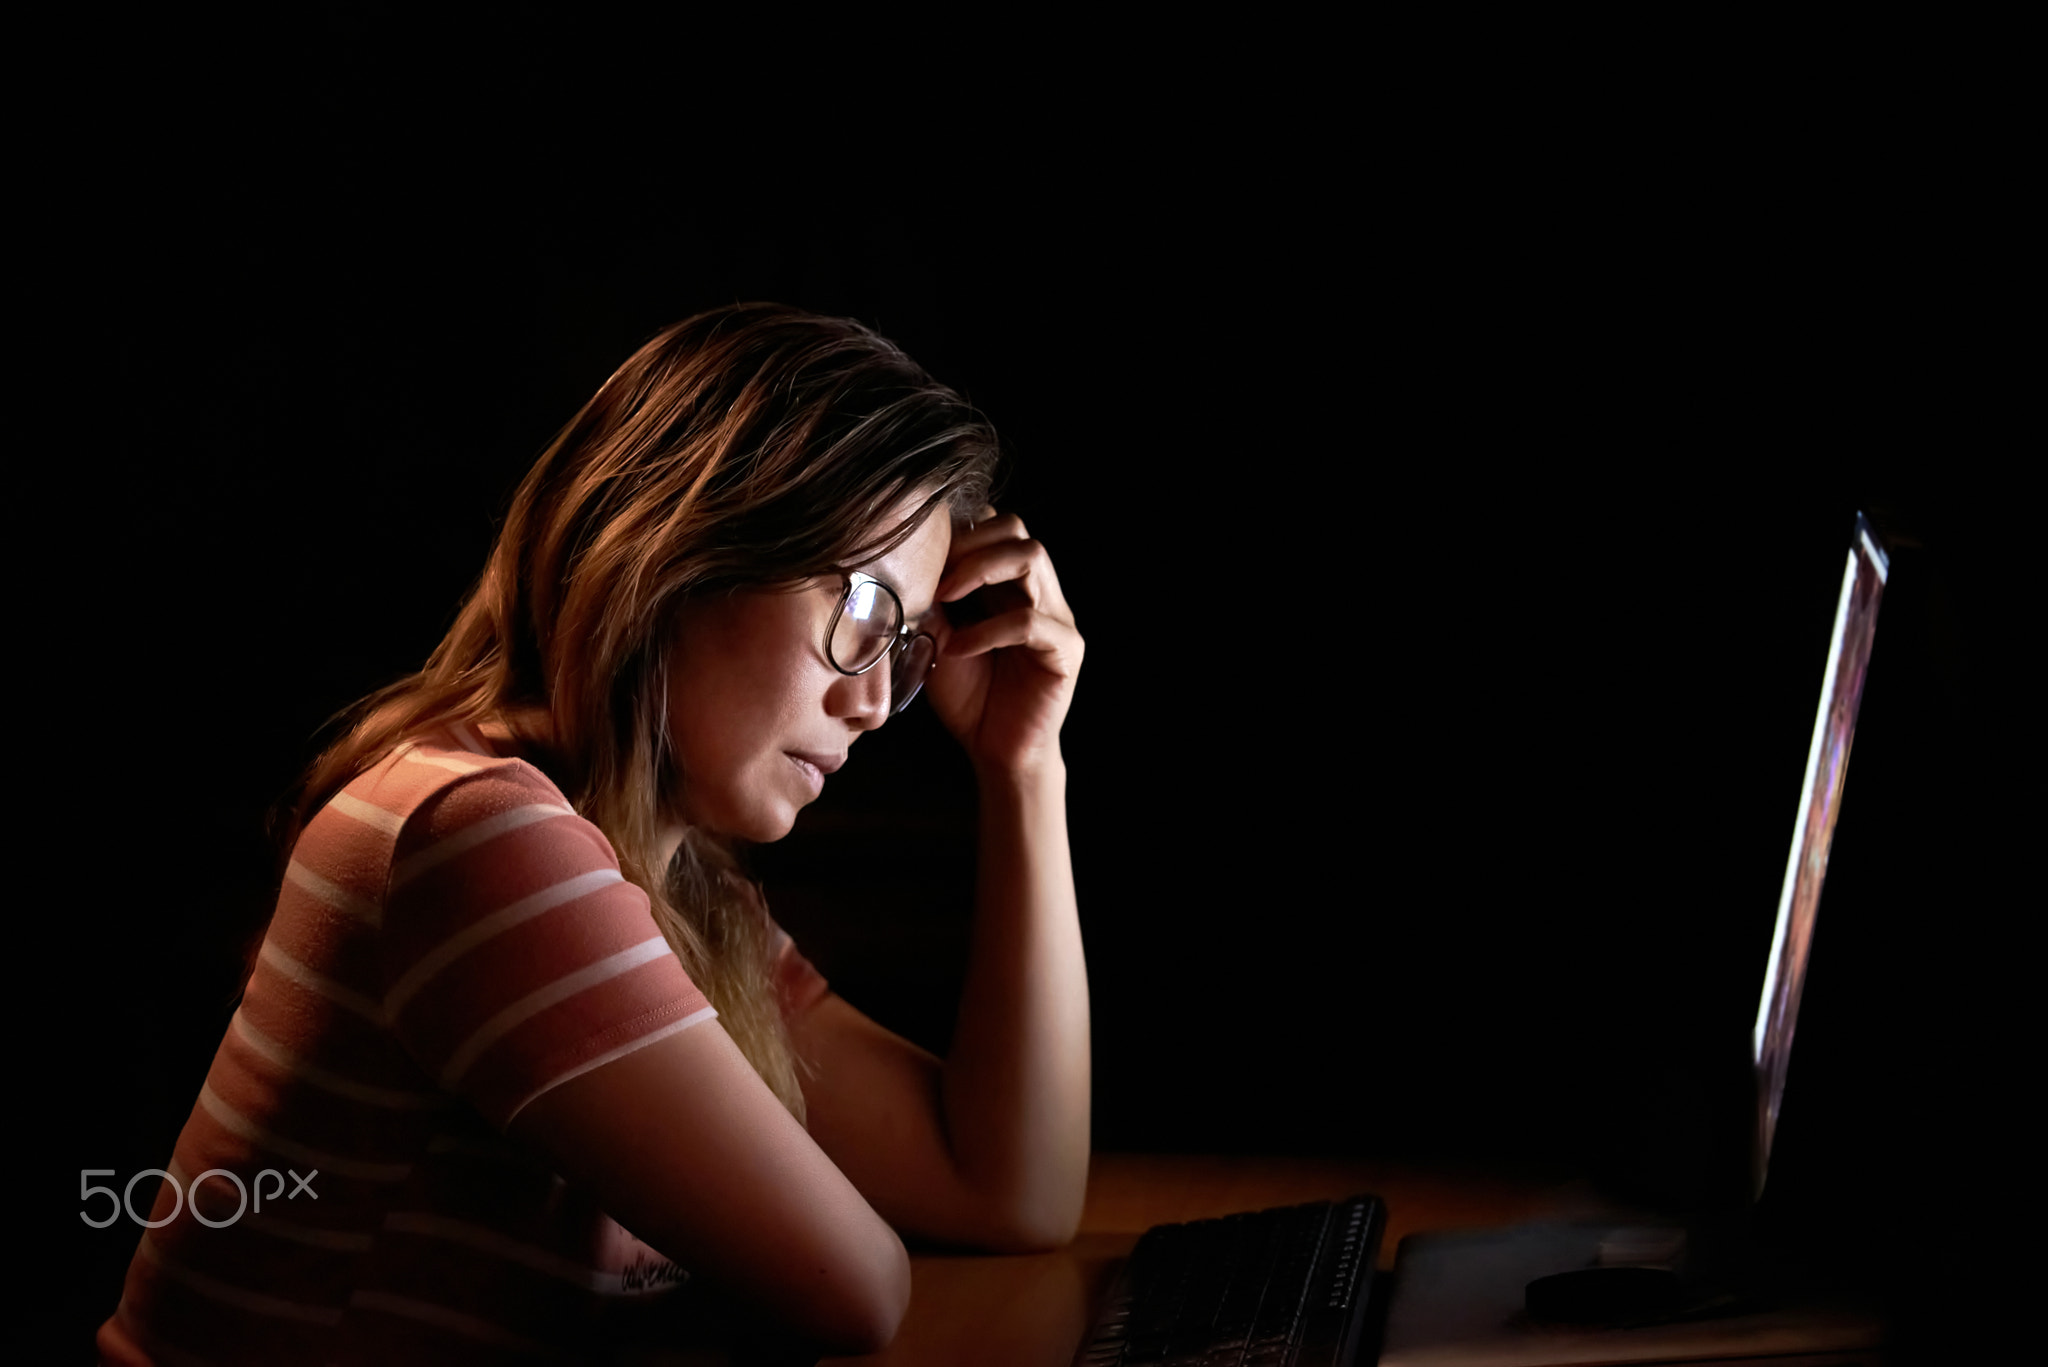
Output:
x=1035 y=776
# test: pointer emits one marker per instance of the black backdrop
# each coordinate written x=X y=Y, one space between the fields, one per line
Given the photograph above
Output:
x=1454 y=514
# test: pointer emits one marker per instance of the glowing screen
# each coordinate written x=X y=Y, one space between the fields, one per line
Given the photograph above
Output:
x=1820 y=798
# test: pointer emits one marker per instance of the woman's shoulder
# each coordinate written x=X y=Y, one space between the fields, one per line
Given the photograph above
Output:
x=430 y=787
x=426 y=767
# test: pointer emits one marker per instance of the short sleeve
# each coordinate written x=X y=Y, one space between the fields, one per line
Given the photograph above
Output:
x=515 y=954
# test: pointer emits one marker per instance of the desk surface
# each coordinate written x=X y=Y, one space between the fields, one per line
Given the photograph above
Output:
x=1031 y=1311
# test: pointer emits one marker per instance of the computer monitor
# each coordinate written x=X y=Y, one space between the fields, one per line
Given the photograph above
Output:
x=1820 y=798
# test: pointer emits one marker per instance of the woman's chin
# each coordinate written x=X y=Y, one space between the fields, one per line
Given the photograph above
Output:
x=767 y=825
x=762 y=824
x=770 y=835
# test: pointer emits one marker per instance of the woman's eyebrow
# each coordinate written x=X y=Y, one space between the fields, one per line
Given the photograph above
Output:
x=909 y=618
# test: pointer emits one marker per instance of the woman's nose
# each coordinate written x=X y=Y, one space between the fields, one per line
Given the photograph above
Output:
x=863 y=699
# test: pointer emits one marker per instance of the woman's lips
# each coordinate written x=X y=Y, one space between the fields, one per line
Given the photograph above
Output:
x=814 y=767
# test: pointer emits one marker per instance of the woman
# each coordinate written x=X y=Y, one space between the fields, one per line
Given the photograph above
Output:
x=516 y=988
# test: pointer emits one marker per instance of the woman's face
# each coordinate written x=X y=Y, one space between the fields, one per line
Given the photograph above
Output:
x=757 y=715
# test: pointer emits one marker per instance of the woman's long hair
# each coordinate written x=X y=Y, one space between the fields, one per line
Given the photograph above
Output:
x=753 y=446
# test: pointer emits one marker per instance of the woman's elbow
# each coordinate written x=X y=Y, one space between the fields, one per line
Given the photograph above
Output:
x=888 y=1298
x=868 y=1303
x=1033 y=1226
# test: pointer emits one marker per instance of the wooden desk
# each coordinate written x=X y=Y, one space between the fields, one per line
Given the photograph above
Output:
x=1031 y=1311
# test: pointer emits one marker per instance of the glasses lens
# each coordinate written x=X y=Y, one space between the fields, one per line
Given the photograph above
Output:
x=907 y=671
x=867 y=625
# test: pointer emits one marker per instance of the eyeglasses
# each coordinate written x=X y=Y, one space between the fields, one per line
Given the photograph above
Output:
x=867 y=627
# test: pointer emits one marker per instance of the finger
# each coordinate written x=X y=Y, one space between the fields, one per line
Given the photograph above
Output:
x=987 y=532
x=1055 y=645
x=997 y=564
x=1025 y=565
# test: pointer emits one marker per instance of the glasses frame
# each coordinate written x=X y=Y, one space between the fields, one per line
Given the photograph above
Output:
x=894 y=652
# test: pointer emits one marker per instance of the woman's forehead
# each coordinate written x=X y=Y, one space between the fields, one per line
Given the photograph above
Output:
x=913 y=567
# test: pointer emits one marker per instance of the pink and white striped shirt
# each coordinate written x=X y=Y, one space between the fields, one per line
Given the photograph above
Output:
x=450 y=942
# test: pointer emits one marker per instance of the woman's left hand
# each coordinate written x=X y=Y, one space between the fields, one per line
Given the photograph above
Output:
x=1003 y=683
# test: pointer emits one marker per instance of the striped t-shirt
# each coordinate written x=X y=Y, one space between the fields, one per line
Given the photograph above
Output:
x=451 y=941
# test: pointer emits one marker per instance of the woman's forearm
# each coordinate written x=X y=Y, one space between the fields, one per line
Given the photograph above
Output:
x=1016 y=1083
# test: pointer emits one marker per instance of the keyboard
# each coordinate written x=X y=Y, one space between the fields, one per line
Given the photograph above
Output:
x=1286 y=1287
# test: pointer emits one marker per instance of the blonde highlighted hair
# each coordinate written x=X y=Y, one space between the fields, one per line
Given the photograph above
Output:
x=754 y=446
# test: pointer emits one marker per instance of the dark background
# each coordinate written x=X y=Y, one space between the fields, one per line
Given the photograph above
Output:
x=1454 y=503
